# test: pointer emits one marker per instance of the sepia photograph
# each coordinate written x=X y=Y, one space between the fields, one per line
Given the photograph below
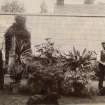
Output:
x=52 y=52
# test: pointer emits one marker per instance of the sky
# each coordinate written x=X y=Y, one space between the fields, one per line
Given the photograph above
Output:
x=33 y=6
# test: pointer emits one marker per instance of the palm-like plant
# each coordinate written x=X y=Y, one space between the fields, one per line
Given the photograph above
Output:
x=23 y=52
x=79 y=69
x=22 y=58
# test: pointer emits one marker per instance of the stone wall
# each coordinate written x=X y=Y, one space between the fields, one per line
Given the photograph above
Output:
x=66 y=31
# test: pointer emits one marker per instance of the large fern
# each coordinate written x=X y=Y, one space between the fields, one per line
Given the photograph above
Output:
x=78 y=68
x=23 y=56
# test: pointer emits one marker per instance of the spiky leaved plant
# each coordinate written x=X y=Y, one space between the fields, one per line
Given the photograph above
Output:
x=21 y=60
x=78 y=70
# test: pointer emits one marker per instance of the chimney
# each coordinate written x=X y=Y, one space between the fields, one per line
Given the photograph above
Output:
x=89 y=1
x=60 y=2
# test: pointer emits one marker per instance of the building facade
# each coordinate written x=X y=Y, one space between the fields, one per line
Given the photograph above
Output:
x=82 y=26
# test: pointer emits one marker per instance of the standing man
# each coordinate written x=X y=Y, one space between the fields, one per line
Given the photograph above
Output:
x=101 y=72
x=18 y=42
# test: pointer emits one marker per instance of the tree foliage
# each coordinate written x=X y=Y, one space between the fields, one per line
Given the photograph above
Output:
x=12 y=7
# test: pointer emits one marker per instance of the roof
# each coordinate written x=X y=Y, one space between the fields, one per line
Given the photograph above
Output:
x=80 y=9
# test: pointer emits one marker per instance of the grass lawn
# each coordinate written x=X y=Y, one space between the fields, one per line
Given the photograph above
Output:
x=7 y=98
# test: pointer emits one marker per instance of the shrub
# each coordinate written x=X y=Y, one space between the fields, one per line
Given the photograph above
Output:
x=45 y=80
x=46 y=75
x=16 y=73
x=78 y=71
x=48 y=51
x=50 y=99
x=63 y=73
